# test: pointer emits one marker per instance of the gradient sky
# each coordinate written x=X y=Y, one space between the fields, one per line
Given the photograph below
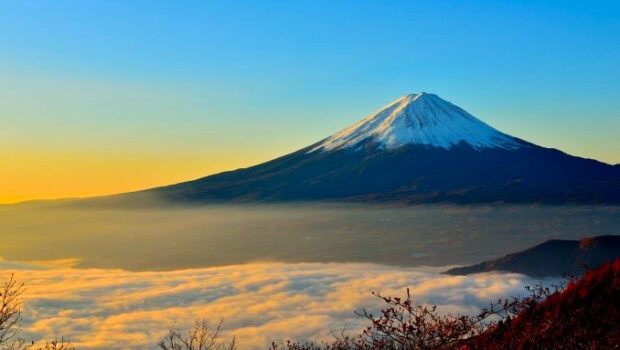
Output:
x=99 y=97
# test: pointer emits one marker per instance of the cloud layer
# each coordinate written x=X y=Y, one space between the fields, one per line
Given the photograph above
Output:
x=117 y=309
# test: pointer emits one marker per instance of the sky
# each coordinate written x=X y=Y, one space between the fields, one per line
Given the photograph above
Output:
x=100 y=97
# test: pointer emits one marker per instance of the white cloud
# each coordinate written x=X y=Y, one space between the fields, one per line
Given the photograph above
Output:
x=116 y=309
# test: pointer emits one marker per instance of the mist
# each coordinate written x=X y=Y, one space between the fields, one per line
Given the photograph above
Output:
x=100 y=309
x=116 y=277
x=169 y=238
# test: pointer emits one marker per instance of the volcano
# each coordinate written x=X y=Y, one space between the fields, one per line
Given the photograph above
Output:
x=417 y=149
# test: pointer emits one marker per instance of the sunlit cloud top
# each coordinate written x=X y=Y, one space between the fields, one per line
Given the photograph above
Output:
x=109 y=309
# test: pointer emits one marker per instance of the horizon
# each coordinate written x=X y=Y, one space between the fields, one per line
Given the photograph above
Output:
x=20 y=201
x=297 y=175
x=102 y=98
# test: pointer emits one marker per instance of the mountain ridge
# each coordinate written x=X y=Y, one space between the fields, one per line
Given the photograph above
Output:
x=554 y=257
x=421 y=118
x=465 y=162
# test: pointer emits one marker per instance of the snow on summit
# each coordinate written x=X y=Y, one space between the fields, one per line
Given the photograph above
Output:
x=423 y=119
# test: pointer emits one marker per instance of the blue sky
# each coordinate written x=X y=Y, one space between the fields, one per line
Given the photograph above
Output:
x=245 y=81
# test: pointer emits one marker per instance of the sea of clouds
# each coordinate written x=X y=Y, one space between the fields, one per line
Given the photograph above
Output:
x=259 y=302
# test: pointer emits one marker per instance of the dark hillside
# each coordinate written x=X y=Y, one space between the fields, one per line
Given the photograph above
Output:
x=552 y=258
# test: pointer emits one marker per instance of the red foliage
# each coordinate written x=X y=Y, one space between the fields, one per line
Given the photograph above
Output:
x=585 y=315
x=586 y=243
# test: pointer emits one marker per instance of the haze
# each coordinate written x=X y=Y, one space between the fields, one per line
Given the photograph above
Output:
x=176 y=237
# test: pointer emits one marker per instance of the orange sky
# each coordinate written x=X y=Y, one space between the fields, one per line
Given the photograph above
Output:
x=63 y=175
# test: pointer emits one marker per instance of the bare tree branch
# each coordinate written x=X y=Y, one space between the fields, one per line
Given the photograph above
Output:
x=202 y=336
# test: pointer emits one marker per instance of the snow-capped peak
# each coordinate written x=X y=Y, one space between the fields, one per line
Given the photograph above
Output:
x=423 y=119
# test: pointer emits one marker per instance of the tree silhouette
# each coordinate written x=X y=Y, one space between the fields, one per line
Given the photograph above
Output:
x=202 y=336
x=11 y=321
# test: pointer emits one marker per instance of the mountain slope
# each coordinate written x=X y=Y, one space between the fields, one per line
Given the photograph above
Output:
x=585 y=315
x=552 y=258
x=422 y=119
x=417 y=149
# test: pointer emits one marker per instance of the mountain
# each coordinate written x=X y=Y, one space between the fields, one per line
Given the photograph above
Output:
x=420 y=119
x=552 y=258
x=417 y=149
